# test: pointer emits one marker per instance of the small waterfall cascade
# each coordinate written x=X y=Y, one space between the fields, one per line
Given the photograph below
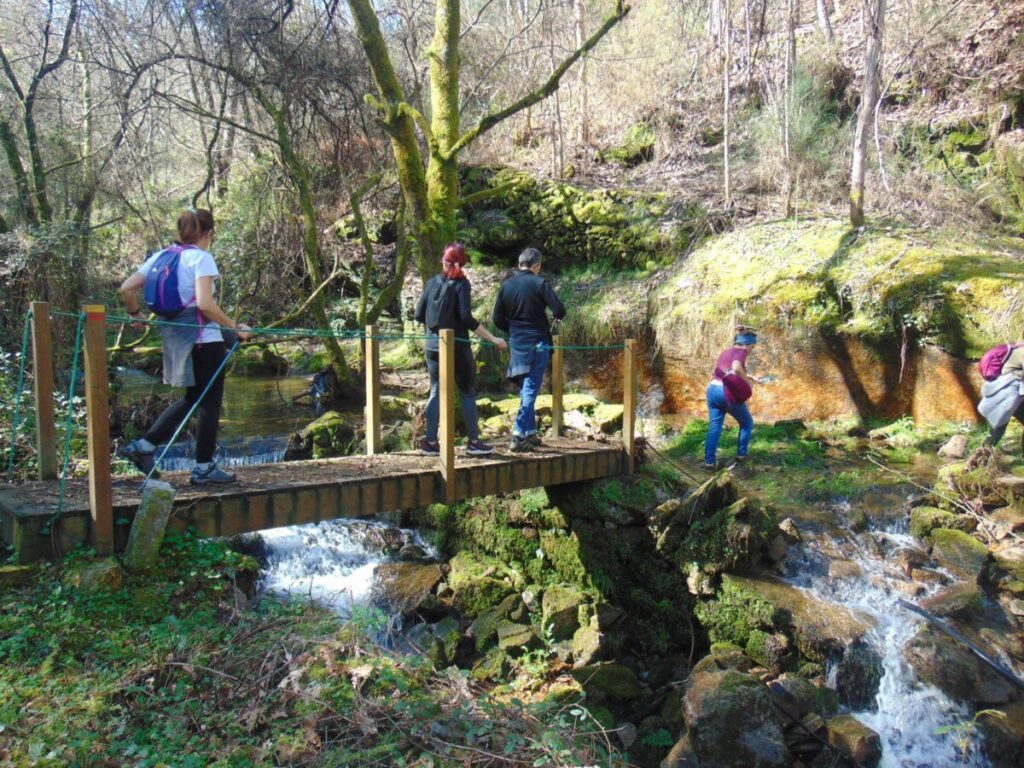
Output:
x=912 y=718
x=333 y=562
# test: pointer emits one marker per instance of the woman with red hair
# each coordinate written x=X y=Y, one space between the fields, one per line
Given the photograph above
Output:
x=447 y=303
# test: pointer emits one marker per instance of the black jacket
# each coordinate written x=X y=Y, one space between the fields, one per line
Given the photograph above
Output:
x=522 y=303
x=464 y=320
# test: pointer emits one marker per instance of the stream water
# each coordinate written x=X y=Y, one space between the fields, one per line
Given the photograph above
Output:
x=912 y=719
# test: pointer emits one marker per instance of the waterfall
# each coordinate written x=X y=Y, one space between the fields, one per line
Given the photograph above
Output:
x=909 y=716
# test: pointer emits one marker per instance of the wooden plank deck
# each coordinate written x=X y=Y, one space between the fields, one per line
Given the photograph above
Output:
x=272 y=495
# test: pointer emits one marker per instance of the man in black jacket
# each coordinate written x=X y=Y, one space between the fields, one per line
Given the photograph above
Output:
x=521 y=311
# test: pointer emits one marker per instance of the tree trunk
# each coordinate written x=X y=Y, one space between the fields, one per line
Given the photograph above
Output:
x=872 y=74
x=787 y=105
x=823 y=19
x=581 y=23
x=25 y=200
x=726 y=90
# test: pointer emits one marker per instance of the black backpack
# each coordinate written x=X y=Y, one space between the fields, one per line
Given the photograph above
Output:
x=441 y=309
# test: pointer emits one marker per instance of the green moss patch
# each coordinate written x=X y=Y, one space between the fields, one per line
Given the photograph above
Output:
x=952 y=290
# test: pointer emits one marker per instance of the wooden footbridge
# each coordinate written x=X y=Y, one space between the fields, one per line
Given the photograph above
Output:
x=40 y=518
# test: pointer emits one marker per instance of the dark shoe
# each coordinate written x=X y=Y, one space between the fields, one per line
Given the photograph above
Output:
x=710 y=467
x=144 y=461
x=478 y=448
x=520 y=445
x=211 y=475
x=534 y=440
x=742 y=459
x=428 y=448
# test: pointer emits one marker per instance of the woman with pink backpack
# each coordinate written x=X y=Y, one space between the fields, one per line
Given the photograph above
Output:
x=728 y=391
x=1002 y=395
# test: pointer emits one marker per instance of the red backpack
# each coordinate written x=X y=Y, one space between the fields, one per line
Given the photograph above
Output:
x=991 y=364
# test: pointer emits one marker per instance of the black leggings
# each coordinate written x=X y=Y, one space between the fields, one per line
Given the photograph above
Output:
x=206 y=358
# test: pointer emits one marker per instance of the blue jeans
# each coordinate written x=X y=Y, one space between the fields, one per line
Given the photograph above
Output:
x=526 y=420
x=717 y=408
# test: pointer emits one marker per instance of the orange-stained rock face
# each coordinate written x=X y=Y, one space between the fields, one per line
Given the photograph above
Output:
x=817 y=377
x=821 y=377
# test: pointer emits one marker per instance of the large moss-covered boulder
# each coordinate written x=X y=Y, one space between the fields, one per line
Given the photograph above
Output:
x=485 y=628
x=923 y=520
x=961 y=553
x=731 y=721
x=479 y=582
x=404 y=587
x=333 y=434
x=609 y=682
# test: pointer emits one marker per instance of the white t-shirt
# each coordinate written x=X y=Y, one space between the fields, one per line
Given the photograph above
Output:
x=194 y=262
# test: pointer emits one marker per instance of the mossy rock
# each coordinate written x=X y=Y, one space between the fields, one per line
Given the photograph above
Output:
x=513 y=637
x=735 y=615
x=956 y=292
x=608 y=417
x=560 y=610
x=636 y=147
x=396 y=408
x=923 y=520
x=491 y=668
x=12 y=576
x=478 y=582
x=961 y=553
x=259 y=360
x=609 y=682
x=485 y=628
x=333 y=434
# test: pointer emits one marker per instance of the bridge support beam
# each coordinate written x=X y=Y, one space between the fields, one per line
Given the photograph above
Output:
x=42 y=369
x=372 y=362
x=446 y=433
x=557 y=385
x=97 y=416
x=629 y=398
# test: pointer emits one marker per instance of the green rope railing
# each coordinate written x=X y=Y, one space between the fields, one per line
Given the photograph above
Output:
x=69 y=425
x=16 y=416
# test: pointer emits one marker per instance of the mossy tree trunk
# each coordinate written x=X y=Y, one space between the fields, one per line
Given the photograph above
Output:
x=872 y=73
x=430 y=186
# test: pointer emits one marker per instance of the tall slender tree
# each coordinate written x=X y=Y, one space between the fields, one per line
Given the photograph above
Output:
x=875 y=23
x=430 y=185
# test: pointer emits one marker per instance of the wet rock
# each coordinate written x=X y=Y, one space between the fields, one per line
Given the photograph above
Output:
x=908 y=558
x=404 y=586
x=413 y=553
x=940 y=662
x=820 y=629
x=807 y=697
x=858 y=675
x=778 y=548
x=961 y=599
x=516 y=637
x=681 y=756
x=609 y=682
x=770 y=650
x=959 y=552
x=928 y=576
x=560 y=610
x=1004 y=736
x=789 y=529
x=855 y=739
x=804 y=737
x=99 y=575
x=721 y=658
x=955 y=447
x=731 y=722
x=439 y=642
x=844 y=569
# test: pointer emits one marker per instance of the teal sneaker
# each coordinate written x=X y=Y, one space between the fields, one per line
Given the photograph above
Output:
x=211 y=475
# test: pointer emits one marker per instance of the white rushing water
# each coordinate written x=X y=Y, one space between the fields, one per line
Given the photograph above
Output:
x=332 y=562
x=912 y=718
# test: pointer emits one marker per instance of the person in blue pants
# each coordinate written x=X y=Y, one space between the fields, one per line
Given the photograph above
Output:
x=521 y=311
x=732 y=362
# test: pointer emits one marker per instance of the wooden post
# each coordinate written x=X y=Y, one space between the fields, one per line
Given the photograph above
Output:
x=446 y=390
x=372 y=360
x=97 y=416
x=629 y=385
x=42 y=367
x=557 y=385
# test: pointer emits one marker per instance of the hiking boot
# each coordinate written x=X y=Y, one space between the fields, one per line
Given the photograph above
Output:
x=211 y=475
x=428 y=448
x=710 y=467
x=143 y=460
x=520 y=445
x=478 y=448
x=534 y=440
